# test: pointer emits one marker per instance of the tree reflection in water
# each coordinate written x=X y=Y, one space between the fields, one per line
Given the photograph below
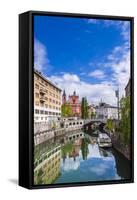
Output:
x=84 y=148
x=79 y=159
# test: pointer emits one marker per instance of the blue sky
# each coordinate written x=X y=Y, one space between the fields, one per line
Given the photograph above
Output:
x=83 y=53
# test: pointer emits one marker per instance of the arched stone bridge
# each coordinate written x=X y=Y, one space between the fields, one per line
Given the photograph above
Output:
x=95 y=121
x=89 y=124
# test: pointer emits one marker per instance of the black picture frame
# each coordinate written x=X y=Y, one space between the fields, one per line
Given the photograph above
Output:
x=26 y=60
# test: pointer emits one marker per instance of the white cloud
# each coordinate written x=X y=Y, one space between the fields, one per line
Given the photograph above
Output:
x=93 y=92
x=99 y=74
x=92 y=21
x=94 y=151
x=123 y=26
x=41 y=60
x=100 y=169
x=71 y=77
x=119 y=62
x=70 y=164
x=119 y=58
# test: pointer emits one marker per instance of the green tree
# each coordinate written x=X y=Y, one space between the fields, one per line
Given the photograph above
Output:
x=125 y=122
x=110 y=124
x=66 y=110
x=84 y=108
x=93 y=115
x=53 y=124
x=67 y=149
x=84 y=148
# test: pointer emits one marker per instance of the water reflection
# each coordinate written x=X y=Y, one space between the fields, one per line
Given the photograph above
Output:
x=78 y=159
x=47 y=167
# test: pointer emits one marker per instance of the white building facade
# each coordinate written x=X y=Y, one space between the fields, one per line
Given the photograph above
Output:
x=106 y=111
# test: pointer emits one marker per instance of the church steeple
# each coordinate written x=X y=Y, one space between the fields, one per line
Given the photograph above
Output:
x=64 y=93
x=64 y=97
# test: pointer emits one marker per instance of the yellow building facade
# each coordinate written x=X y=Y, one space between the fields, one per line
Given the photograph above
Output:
x=47 y=99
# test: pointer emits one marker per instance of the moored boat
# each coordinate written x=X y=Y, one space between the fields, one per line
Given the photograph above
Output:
x=104 y=140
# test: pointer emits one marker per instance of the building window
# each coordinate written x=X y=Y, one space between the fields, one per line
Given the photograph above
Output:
x=36 y=86
x=37 y=103
x=37 y=95
x=37 y=78
x=42 y=104
x=41 y=111
x=37 y=111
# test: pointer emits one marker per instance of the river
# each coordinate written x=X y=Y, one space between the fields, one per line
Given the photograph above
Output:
x=77 y=159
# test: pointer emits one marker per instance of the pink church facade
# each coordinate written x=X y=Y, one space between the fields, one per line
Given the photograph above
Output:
x=74 y=102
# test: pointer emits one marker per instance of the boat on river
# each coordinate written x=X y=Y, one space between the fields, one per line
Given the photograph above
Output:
x=97 y=132
x=104 y=140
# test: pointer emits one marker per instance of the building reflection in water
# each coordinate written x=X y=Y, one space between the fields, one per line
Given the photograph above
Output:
x=47 y=167
x=77 y=158
x=73 y=147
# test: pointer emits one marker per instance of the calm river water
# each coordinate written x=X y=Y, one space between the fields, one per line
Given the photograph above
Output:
x=77 y=159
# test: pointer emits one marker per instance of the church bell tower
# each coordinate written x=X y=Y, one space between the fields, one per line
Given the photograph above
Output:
x=64 y=97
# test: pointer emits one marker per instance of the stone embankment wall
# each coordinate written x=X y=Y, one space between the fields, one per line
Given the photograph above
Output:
x=122 y=148
x=43 y=136
x=64 y=131
x=42 y=133
x=40 y=127
x=125 y=150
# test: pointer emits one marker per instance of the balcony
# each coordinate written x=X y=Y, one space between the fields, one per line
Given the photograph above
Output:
x=42 y=98
x=42 y=91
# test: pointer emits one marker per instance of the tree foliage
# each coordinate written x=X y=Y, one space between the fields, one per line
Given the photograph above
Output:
x=66 y=110
x=125 y=122
x=110 y=124
x=93 y=115
x=84 y=108
x=84 y=148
